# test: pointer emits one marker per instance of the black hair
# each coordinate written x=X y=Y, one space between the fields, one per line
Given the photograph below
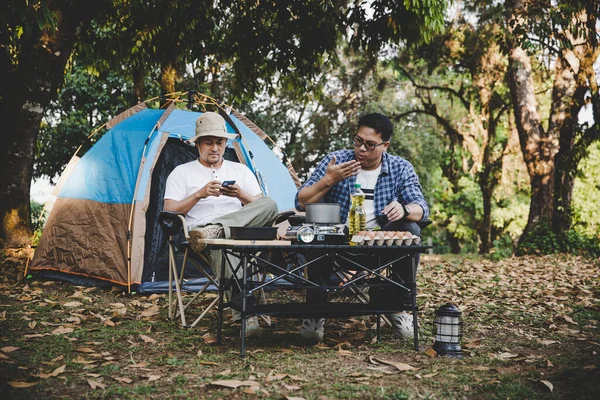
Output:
x=380 y=123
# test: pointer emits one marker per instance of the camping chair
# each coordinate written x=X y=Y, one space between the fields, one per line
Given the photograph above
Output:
x=172 y=223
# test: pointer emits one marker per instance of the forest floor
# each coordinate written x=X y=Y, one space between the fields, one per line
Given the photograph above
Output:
x=531 y=330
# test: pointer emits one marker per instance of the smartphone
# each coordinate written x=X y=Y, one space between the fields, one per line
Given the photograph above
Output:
x=228 y=183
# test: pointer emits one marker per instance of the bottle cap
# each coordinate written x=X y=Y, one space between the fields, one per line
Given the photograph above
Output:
x=357 y=185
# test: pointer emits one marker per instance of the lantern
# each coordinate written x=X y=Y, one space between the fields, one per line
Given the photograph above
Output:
x=447 y=331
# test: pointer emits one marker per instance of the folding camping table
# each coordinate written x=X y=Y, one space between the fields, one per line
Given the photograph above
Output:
x=284 y=275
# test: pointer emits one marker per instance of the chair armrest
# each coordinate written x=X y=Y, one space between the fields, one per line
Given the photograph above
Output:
x=425 y=223
x=283 y=216
x=172 y=223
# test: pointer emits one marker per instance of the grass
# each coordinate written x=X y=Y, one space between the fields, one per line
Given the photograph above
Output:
x=528 y=322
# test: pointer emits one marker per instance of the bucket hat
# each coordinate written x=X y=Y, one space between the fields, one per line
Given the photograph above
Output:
x=211 y=124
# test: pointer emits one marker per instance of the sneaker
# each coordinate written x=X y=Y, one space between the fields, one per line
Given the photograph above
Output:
x=207 y=232
x=403 y=325
x=253 y=327
x=313 y=329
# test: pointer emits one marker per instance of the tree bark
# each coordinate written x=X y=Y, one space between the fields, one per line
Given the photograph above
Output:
x=30 y=85
x=537 y=145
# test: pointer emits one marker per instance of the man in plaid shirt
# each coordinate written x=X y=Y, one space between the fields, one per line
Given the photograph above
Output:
x=394 y=200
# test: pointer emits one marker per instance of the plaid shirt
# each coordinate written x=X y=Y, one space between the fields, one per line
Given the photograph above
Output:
x=397 y=181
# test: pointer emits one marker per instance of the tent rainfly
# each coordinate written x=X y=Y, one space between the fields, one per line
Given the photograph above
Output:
x=103 y=227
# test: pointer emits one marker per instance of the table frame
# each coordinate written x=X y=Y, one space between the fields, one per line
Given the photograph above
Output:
x=251 y=255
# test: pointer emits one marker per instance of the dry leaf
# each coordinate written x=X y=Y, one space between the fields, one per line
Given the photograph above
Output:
x=548 y=385
x=96 y=384
x=143 y=364
x=342 y=352
x=61 y=330
x=431 y=352
x=472 y=344
x=234 y=383
x=294 y=398
x=56 y=372
x=147 y=339
x=81 y=360
x=108 y=322
x=73 y=304
x=153 y=378
x=19 y=384
x=208 y=362
x=121 y=379
x=85 y=350
x=291 y=387
x=9 y=349
x=32 y=324
x=506 y=356
x=400 y=366
x=4 y=357
x=150 y=311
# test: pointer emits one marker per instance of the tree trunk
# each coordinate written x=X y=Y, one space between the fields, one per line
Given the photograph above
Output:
x=168 y=76
x=538 y=147
x=139 y=89
x=31 y=84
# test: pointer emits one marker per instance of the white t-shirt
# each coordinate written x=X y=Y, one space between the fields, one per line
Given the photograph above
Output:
x=367 y=181
x=190 y=177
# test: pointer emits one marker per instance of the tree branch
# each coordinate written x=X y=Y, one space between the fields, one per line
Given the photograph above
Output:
x=453 y=92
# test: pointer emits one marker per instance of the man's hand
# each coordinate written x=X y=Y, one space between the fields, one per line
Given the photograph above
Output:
x=212 y=188
x=231 y=190
x=337 y=173
x=393 y=211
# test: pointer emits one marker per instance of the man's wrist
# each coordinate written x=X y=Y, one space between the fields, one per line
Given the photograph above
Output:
x=406 y=211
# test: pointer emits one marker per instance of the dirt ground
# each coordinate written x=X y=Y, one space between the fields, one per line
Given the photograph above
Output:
x=531 y=329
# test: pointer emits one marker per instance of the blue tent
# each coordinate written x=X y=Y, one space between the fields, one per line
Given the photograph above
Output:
x=103 y=226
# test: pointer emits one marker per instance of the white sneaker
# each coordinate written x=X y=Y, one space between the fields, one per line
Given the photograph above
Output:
x=313 y=329
x=253 y=327
x=403 y=325
x=208 y=232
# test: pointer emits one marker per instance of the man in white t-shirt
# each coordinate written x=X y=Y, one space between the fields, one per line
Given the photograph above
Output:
x=197 y=189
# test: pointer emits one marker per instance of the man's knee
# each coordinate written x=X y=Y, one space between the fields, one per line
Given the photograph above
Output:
x=269 y=206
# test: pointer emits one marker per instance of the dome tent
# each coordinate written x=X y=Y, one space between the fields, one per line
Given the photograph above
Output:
x=103 y=227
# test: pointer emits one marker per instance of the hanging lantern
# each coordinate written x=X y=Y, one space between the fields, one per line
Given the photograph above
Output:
x=447 y=331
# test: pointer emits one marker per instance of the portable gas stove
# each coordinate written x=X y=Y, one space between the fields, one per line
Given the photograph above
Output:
x=317 y=233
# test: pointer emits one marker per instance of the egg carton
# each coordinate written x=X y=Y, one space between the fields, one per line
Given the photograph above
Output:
x=385 y=238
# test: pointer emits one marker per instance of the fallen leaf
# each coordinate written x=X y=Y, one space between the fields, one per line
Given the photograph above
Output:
x=153 y=378
x=32 y=324
x=96 y=384
x=291 y=387
x=9 y=349
x=73 y=304
x=294 y=398
x=400 y=366
x=56 y=372
x=19 y=384
x=4 y=357
x=85 y=350
x=506 y=356
x=143 y=364
x=109 y=322
x=208 y=362
x=472 y=344
x=548 y=385
x=342 y=352
x=61 y=330
x=548 y=342
x=431 y=352
x=150 y=311
x=234 y=383
x=430 y=375
x=121 y=379
x=147 y=339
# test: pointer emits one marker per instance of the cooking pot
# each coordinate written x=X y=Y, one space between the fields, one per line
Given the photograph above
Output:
x=323 y=213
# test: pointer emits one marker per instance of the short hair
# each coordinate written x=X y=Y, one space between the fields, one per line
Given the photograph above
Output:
x=380 y=123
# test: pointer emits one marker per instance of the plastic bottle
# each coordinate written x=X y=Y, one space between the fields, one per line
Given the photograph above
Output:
x=357 y=218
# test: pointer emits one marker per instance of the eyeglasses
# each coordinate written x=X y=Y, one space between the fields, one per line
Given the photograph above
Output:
x=369 y=146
